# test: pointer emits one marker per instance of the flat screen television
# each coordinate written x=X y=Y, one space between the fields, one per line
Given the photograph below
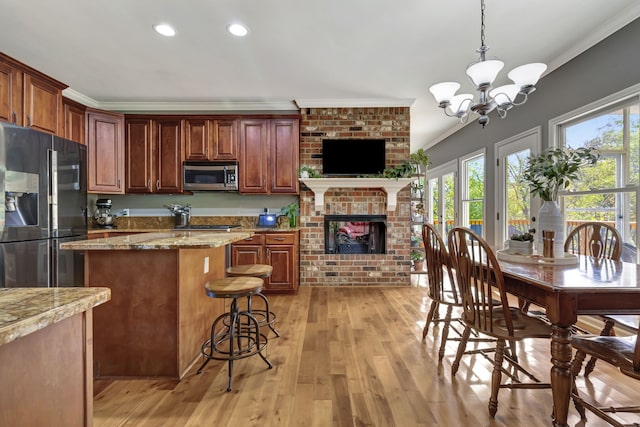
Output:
x=353 y=157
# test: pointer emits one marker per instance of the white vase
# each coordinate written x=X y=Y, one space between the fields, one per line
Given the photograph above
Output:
x=550 y=218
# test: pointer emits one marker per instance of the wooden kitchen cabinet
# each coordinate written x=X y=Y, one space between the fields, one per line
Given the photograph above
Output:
x=211 y=140
x=29 y=98
x=105 y=152
x=280 y=250
x=153 y=156
x=269 y=156
x=74 y=121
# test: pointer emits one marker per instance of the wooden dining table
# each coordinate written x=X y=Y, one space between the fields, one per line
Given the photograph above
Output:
x=592 y=286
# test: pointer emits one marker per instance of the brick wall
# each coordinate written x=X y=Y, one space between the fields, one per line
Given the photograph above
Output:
x=320 y=269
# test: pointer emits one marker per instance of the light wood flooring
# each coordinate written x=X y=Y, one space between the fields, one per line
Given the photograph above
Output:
x=349 y=357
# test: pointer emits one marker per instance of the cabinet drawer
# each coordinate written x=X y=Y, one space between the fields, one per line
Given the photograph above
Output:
x=256 y=239
x=280 y=239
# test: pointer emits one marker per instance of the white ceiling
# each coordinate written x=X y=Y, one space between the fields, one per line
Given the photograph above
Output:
x=330 y=52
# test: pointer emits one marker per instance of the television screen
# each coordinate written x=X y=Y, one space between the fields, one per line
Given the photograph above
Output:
x=353 y=157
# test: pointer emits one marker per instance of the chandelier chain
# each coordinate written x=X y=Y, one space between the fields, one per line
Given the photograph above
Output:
x=482 y=23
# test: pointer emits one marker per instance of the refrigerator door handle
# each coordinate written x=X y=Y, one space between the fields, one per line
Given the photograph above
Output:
x=53 y=192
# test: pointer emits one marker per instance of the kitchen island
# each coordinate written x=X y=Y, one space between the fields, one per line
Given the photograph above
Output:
x=46 y=355
x=159 y=314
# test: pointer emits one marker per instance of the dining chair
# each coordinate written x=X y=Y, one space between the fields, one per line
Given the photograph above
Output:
x=602 y=241
x=442 y=290
x=621 y=352
x=480 y=283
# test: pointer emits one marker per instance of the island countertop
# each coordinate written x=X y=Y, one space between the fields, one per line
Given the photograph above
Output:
x=160 y=241
x=27 y=310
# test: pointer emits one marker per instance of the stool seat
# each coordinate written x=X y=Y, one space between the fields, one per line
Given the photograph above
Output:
x=233 y=287
x=254 y=270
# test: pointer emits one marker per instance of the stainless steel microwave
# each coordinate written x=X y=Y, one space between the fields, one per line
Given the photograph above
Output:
x=201 y=176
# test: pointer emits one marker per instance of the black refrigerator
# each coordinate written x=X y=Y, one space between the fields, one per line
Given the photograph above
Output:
x=43 y=178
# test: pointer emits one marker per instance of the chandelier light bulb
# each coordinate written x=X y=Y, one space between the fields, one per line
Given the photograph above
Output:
x=505 y=95
x=443 y=92
x=483 y=73
x=528 y=74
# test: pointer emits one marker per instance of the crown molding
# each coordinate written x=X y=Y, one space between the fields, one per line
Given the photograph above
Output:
x=355 y=103
x=181 y=106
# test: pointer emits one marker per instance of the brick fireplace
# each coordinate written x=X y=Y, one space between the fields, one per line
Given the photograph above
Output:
x=318 y=268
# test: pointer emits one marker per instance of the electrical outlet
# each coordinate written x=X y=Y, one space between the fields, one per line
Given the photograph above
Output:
x=125 y=212
x=206 y=265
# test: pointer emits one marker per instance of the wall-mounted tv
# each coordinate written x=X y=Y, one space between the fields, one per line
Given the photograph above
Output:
x=353 y=157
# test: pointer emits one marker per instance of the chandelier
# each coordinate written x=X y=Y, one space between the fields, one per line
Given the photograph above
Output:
x=482 y=74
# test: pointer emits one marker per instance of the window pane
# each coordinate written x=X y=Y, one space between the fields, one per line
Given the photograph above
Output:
x=472 y=205
x=518 y=199
x=617 y=209
x=473 y=211
x=449 y=201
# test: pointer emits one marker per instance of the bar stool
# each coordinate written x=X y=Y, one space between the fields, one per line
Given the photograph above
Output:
x=240 y=335
x=266 y=316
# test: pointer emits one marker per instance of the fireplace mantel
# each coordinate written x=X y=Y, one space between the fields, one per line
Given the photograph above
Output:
x=390 y=185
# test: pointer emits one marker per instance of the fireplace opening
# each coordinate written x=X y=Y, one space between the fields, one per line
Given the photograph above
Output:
x=355 y=234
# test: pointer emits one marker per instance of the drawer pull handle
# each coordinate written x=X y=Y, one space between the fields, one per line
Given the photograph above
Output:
x=280 y=239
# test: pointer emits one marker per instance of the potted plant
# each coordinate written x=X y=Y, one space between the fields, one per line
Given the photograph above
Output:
x=308 y=172
x=546 y=174
x=521 y=244
x=417 y=259
x=420 y=161
x=291 y=212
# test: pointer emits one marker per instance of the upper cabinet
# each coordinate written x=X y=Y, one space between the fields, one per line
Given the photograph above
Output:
x=154 y=155
x=210 y=140
x=269 y=152
x=105 y=152
x=29 y=98
x=74 y=121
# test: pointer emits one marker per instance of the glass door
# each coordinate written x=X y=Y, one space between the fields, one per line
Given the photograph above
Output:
x=516 y=210
x=442 y=197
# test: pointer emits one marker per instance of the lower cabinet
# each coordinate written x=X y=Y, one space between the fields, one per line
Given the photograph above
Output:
x=278 y=249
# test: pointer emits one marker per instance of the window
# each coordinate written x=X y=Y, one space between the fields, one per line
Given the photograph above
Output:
x=472 y=192
x=608 y=190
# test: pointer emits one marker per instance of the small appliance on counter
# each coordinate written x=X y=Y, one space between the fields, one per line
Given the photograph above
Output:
x=102 y=217
x=266 y=219
x=182 y=214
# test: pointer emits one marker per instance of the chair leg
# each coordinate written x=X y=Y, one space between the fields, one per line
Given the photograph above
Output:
x=461 y=348
x=576 y=364
x=496 y=377
x=445 y=333
x=432 y=310
x=606 y=331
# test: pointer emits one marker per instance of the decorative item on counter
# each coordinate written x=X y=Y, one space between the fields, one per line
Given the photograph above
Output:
x=548 y=173
x=291 y=212
x=547 y=243
x=521 y=244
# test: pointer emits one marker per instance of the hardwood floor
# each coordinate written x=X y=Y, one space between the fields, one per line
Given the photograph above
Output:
x=349 y=357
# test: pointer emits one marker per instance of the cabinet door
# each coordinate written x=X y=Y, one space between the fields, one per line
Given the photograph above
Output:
x=254 y=156
x=74 y=118
x=42 y=105
x=196 y=140
x=281 y=258
x=168 y=156
x=246 y=254
x=10 y=94
x=224 y=139
x=139 y=160
x=105 y=151
x=283 y=146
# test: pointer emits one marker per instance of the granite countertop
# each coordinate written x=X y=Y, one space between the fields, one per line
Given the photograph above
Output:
x=27 y=310
x=160 y=241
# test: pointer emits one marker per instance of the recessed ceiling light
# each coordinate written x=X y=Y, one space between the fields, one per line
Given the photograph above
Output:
x=237 y=30
x=165 y=30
